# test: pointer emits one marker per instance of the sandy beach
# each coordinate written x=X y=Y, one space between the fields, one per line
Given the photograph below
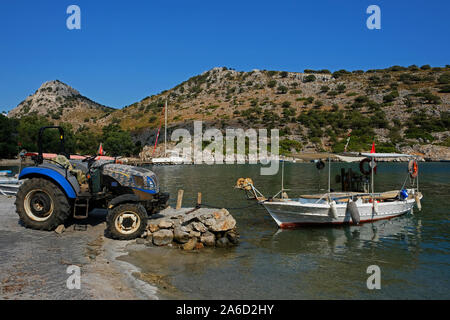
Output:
x=34 y=263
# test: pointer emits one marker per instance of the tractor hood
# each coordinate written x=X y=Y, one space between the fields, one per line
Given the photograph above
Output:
x=137 y=178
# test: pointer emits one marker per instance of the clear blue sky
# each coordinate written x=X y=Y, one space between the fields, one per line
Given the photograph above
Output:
x=127 y=50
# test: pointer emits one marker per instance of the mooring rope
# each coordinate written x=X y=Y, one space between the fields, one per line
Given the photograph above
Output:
x=212 y=206
x=235 y=208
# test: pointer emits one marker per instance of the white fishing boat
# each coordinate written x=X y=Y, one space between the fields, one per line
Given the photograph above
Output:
x=9 y=184
x=170 y=160
x=357 y=203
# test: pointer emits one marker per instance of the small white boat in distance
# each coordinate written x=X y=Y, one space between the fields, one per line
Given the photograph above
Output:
x=9 y=184
x=349 y=206
x=171 y=160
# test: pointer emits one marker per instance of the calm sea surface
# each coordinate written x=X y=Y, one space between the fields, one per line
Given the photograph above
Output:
x=313 y=262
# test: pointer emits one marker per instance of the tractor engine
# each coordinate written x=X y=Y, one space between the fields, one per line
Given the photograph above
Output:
x=122 y=179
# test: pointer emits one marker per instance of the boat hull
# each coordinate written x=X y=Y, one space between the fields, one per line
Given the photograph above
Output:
x=291 y=214
x=9 y=189
x=9 y=186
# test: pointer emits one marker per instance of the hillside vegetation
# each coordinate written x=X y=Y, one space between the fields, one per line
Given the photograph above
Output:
x=401 y=108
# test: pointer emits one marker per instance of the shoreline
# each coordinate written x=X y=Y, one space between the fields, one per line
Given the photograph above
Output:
x=26 y=274
x=16 y=162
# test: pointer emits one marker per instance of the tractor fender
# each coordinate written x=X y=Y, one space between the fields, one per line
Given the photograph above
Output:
x=124 y=198
x=56 y=177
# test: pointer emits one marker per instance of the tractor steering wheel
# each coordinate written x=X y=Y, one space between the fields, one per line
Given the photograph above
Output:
x=89 y=160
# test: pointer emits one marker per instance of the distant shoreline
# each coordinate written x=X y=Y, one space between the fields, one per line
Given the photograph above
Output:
x=16 y=162
x=9 y=162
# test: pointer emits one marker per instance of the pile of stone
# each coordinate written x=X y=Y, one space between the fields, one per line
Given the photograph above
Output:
x=192 y=228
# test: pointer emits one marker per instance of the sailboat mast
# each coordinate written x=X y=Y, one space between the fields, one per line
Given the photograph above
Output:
x=165 y=130
x=329 y=175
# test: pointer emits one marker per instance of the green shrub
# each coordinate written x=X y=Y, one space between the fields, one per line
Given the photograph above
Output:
x=286 y=104
x=396 y=68
x=429 y=97
x=318 y=104
x=340 y=73
x=332 y=93
x=390 y=97
x=341 y=88
x=324 y=89
x=309 y=78
x=287 y=145
x=282 y=89
x=272 y=83
x=445 y=89
x=444 y=78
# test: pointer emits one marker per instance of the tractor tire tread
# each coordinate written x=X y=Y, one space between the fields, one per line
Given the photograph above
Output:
x=61 y=204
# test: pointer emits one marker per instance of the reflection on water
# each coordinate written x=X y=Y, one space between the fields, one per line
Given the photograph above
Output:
x=309 y=263
x=321 y=262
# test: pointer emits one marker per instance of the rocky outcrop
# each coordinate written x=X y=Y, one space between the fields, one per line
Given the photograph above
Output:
x=193 y=229
x=60 y=102
x=162 y=237
x=429 y=152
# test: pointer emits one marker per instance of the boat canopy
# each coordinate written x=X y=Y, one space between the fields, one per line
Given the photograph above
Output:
x=350 y=157
x=387 y=155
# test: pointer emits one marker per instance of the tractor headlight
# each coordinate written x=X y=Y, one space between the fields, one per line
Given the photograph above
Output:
x=138 y=181
x=150 y=182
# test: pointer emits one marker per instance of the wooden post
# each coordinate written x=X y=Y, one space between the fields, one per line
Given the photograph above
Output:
x=199 y=199
x=179 y=199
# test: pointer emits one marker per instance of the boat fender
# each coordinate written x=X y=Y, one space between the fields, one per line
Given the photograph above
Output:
x=375 y=206
x=333 y=210
x=404 y=194
x=413 y=168
x=354 y=212
x=320 y=164
x=368 y=171
x=417 y=198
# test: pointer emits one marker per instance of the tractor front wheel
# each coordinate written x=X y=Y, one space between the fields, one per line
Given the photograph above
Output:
x=126 y=221
x=41 y=204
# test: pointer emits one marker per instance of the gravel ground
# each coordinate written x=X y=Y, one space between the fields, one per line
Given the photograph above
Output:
x=33 y=264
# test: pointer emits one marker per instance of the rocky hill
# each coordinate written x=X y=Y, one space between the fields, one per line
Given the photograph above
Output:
x=60 y=103
x=402 y=108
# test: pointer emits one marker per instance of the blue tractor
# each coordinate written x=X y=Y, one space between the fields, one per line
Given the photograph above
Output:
x=57 y=189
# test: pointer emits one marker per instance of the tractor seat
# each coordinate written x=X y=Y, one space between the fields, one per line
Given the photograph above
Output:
x=79 y=174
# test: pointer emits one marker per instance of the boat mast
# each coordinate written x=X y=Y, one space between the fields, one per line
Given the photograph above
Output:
x=329 y=175
x=372 y=163
x=282 y=182
x=165 y=130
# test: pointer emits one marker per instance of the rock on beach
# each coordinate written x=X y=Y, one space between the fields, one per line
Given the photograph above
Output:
x=193 y=229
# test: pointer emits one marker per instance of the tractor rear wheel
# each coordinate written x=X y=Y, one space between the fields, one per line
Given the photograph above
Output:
x=41 y=204
x=126 y=221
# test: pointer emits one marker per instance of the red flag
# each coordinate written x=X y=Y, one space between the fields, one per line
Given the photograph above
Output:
x=100 y=150
x=373 y=147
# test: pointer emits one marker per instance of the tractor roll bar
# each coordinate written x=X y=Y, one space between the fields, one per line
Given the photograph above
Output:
x=40 y=157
